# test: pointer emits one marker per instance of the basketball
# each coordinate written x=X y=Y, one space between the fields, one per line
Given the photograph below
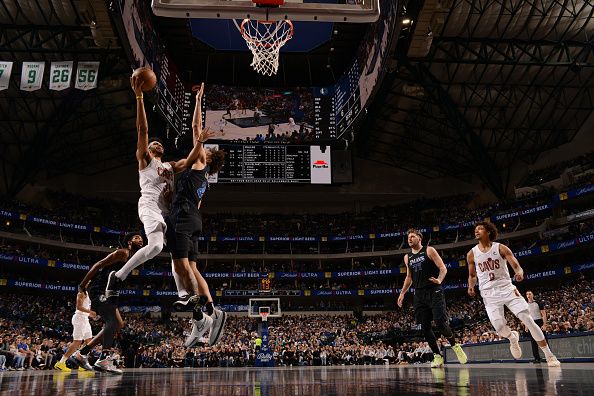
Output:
x=147 y=76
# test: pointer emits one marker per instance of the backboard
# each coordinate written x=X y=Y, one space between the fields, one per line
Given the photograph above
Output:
x=270 y=305
x=350 y=11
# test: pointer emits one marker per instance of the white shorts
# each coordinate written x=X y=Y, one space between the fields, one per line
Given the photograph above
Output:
x=151 y=219
x=82 y=327
x=495 y=303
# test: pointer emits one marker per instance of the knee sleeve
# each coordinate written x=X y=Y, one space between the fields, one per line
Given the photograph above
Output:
x=154 y=245
x=535 y=331
x=501 y=327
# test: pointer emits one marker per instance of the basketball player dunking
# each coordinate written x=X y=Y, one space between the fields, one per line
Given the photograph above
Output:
x=426 y=271
x=156 y=186
x=497 y=290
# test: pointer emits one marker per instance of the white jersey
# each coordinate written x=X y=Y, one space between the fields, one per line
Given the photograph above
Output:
x=155 y=180
x=86 y=304
x=492 y=272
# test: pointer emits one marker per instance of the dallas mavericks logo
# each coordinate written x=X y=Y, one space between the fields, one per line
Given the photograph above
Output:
x=202 y=189
x=416 y=263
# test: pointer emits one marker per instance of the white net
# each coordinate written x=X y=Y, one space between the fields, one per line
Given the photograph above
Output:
x=265 y=39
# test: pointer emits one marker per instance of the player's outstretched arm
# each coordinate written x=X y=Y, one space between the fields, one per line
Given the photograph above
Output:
x=197 y=118
x=199 y=136
x=471 y=273
x=112 y=258
x=141 y=124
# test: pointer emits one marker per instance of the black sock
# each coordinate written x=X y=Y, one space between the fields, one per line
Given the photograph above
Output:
x=85 y=350
x=197 y=313
x=452 y=341
x=209 y=308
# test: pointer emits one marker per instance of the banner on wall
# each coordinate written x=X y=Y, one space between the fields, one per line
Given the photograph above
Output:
x=86 y=75
x=60 y=75
x=331 y=238
x=553 y=273
x=32 y=75
x=5 y=70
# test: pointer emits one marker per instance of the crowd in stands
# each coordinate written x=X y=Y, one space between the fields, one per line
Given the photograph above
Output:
x=34 y=334
x=419 y=213
x=558 y=234
x=582 y=163
x=14 y=269
x=72 y=208
x=423 y=212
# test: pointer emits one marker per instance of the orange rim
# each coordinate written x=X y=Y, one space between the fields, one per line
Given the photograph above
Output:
x=252 y=40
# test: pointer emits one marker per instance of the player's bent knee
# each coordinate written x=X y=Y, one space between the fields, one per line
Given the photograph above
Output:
x=155 y=249
x=534 y=329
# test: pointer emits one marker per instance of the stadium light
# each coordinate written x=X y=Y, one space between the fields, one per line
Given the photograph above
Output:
x=406 y=21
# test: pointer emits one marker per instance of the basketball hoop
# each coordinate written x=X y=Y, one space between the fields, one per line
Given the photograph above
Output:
x=264 y=316
x=265 y=39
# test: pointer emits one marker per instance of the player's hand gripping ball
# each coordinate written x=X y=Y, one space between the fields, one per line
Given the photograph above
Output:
x=147 y=76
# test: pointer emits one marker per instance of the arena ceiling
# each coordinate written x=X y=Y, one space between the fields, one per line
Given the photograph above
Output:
x=476 y=88
x=44 y=132
x=483 y=86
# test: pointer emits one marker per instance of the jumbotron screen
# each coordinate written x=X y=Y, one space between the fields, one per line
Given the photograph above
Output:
x=254 y=114
x=274 y=163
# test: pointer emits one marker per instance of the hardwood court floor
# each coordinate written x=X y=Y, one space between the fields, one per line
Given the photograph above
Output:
x=474 y=379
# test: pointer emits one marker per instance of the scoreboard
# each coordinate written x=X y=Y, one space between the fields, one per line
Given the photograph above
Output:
x=336 y=107
x=173 y=100
x=324 y=113
x=347 y=96
x=267 y=163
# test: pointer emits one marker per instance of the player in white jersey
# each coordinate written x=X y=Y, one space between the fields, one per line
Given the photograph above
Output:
x=82 y=332
x=156 y=184
x=497 y=290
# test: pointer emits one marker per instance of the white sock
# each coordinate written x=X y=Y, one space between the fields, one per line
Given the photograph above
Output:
x=547 y=351
x=63 y=359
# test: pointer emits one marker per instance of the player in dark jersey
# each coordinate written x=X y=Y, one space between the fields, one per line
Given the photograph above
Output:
x=94 y=282
x=426 y=271
x=184 y=226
